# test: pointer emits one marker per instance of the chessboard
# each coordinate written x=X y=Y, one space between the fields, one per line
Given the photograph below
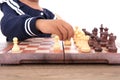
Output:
x=33 y=50
x=85 y=47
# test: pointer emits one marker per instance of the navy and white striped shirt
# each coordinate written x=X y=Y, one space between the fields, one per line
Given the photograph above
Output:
x=19 y=20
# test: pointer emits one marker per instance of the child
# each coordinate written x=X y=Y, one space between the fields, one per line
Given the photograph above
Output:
x=25 y=19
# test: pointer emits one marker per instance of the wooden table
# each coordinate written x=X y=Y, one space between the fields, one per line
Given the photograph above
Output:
x=60 y=72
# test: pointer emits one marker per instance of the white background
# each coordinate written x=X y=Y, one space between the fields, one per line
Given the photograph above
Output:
x=86 y=13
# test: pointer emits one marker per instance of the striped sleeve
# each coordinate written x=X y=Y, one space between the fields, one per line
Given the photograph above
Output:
x=15 y=23
x=21 y=26
x=30 y=26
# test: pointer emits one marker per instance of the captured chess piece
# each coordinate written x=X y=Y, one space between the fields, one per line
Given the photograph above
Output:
x=15 y=48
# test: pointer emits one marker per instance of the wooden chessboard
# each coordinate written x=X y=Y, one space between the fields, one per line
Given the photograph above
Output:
x=40 y=50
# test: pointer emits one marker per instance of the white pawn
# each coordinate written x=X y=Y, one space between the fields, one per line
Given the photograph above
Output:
x=85 y=46
x=15 y=48
x=56 y=46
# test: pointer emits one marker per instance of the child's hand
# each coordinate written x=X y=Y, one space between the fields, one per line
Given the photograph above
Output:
x=58 y=27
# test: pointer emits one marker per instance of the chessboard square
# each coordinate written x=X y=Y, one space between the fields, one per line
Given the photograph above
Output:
x=67 y=48
x=34 y=44
x=56 y=51
x=70 y=48
x=71 y=51
x=43 y=48
x=22 y=46
x=28 y=51
x=29 y=48
x=47 y=40
x=46 y=43
x=42 y=51
x=24 y=43
x=15 y=51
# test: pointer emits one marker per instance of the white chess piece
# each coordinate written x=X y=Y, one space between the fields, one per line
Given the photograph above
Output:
x=56 y=46
x=15 y=48
x=85 y=46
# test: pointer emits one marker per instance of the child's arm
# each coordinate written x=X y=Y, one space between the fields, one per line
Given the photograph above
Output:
x=25 y=26
x=21 y=26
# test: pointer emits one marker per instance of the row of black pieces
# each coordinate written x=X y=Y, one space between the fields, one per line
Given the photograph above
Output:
x=98 y=42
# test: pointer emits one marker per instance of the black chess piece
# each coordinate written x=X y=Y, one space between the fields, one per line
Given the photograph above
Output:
x=111 y=46
x=101 y=30
x=97 y=46
x=95 y=31
x=91 y=41
x=104 y=37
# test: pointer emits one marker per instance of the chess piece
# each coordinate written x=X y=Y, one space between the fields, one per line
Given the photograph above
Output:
x=15 y=48
x=104 y=37
x=78 y=40
x=90 y=34
x=101 y=30
x=97 y=46
x=56 y=46
x=85 y=46
x=110 y=40
x=95 y=31
x=91 y=41
x=111 y=43
x=78 y=34
x=67 y=42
